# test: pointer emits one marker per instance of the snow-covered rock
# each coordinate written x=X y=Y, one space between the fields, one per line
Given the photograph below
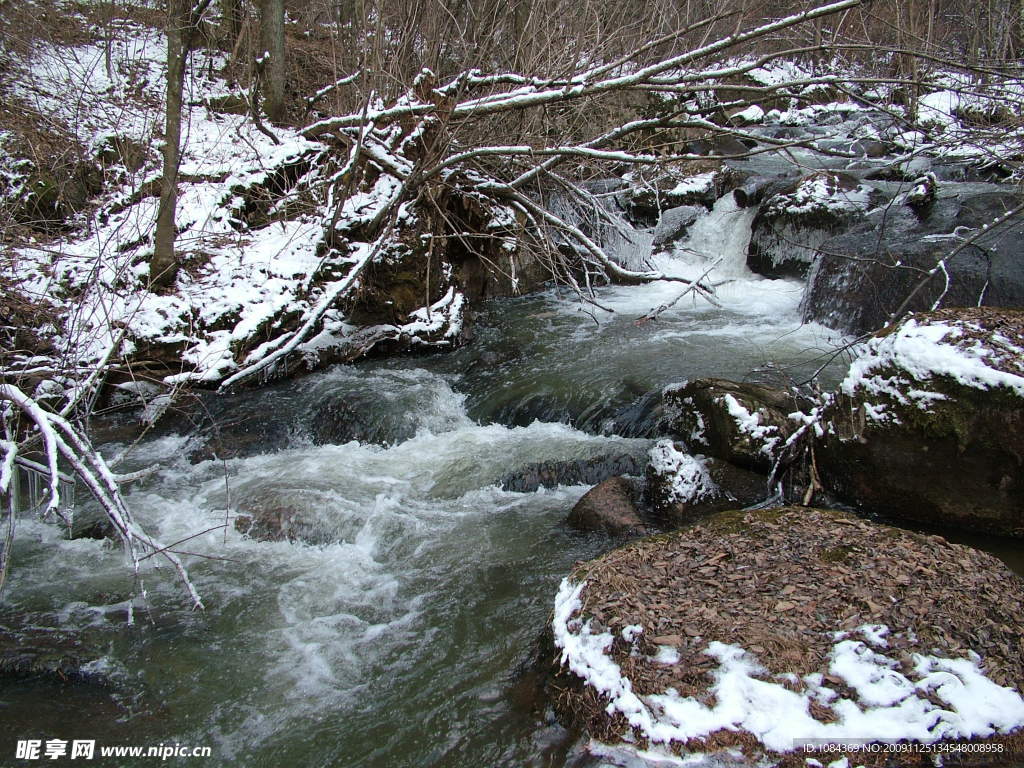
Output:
x=929 y=423
x=681 y=487
x=791 y=226
x=745 y=424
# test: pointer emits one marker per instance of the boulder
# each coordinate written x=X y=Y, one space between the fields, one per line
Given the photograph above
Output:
x=928 y=426
x=699 y=183
x=862 y=276
x=675 y=223
x=269 y=516
x=791 y=226
x=744 y=424
x=610 y=507
x=735 y=637
x=548 y=474
x=681 y=488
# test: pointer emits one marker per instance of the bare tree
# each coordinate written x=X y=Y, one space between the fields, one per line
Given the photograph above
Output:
x=271 y=58
x=183 y=17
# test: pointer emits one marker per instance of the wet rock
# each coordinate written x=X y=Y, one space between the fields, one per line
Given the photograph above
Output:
x=95 y=525
x=549 y=474
x=272 y=515
x=609 y=506
x=745 y=424
x=681 y=488
x=675 y=224
x=929 y=424
x=50 y=653
x=339 y=419
x=754 y=190
x=791 y=226
x=862 y=276
x=783 y=604
x=871 y=148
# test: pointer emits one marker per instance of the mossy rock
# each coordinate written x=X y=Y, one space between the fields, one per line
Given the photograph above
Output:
x=930 y=446
x=742 y=423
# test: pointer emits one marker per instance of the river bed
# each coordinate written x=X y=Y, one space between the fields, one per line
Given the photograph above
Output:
x=388 y=632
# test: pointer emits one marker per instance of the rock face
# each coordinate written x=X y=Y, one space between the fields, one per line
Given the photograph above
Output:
x=865 y=274
x=751 y=630
x=675 y=224
x=610 y=507
x=928 y=425
x=681 y=488
x=744 y=424
x=791 y=225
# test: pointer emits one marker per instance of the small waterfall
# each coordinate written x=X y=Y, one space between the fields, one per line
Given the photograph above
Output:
x=723 y=234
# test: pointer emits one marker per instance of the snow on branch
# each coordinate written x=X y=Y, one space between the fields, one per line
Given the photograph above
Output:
x=534 y=94
x=62 y=441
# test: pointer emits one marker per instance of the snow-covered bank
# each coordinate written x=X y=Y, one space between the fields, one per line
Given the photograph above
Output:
x=802 y=629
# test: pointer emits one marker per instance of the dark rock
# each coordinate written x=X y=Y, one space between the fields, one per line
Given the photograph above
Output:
x=50 y=653
x=753 y=191
x=549 y=474
x=745 y=424
x=342 y=418
x=790 y=227
x=675 y=224
x=92 y=526
x=913 y=442
x=610 y=507
x=681 y=488
x=864 y=275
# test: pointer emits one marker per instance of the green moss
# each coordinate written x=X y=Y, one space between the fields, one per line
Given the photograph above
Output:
x=738 y=520
x=838 y=554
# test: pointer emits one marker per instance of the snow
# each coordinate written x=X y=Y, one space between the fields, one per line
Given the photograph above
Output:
x=938 y=699
x=666 y=655
x=938 y=108
x=689 y=480
x=900 y=365
x=818 y=193
x=752 y=114
x=750 y=424
x=694 y=185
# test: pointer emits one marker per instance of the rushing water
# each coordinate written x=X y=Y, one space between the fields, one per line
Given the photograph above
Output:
x=387 y=633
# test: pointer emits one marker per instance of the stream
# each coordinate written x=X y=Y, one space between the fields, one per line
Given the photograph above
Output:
x=388 y=632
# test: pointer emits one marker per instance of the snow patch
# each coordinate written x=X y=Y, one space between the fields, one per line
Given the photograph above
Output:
x=750 y=424
x=900 y=364
x=688 y=477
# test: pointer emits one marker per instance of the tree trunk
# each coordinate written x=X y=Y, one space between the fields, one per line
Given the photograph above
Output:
x=163 y=268
x=230 y=21
x=271 y=56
